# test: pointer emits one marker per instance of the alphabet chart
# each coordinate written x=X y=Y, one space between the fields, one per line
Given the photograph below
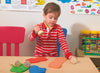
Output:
x=22 y=5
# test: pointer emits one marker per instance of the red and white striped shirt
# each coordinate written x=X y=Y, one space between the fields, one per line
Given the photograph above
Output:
x=47 y=43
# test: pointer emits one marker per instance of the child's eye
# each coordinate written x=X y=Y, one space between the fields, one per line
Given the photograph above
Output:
x=55 y=18
x=50 y=17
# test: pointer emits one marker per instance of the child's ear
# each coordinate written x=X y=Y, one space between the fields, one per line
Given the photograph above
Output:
x=43 y=15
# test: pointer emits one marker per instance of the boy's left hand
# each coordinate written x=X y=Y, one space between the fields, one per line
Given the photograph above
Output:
x=73 y=59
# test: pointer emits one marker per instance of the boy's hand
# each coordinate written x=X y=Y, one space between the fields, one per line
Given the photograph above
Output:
x=36 y=29
x=73 y=59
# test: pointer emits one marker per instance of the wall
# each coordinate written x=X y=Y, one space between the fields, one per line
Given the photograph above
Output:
x=73 y=23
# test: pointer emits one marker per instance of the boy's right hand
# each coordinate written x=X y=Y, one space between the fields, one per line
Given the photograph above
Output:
x=73 y=59
x=36 y=29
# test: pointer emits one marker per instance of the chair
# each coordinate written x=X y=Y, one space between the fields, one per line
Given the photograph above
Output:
x=58 y=44
x=11 y=34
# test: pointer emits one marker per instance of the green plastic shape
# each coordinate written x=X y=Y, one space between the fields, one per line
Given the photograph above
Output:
x=21 y=68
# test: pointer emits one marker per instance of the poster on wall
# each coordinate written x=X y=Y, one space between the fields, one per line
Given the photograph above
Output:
x=91 y=7
x=22 y=5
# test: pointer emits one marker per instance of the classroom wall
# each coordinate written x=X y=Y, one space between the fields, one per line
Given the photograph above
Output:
x=73 y=23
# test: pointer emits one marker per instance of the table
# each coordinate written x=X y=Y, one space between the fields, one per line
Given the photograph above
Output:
x=85 y=65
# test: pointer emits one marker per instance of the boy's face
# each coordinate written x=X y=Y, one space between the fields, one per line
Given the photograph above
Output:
x=51 y=18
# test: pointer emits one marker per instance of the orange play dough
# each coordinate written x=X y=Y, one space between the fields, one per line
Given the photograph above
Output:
x=36 y=60
x=57 y=63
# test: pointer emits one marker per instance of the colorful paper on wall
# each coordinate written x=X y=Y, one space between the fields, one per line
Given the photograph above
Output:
x=22 y=5
x=23 y=1
x=64 y=1
x=85 y=7
x=8 y=1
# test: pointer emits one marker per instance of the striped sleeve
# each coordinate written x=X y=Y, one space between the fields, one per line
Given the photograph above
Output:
x=32 y=36
x=63 y=43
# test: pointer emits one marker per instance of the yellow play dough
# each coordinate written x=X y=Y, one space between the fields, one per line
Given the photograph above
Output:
x=40 y=32
x=73 y=60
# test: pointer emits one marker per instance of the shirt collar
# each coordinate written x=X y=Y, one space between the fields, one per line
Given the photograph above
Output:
x=45 y=26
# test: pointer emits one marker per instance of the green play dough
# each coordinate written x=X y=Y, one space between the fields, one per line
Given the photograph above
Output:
x=21 y=68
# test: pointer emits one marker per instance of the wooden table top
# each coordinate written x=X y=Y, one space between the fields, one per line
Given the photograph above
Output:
x=85 y=65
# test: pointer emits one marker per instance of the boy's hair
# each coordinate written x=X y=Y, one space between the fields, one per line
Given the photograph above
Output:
x=52 y=7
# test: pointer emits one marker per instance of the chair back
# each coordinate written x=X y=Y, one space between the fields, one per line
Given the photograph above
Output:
x=58 y=44
x=11 y=34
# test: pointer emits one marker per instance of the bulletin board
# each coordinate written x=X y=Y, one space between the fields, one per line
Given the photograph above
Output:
x=22 y=5
x=91 y=7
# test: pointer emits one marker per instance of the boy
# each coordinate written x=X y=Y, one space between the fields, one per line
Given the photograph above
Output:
x=47 y=43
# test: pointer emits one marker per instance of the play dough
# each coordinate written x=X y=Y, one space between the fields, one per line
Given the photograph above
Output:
x=36 y=60
x=57 y=62
x=73 y=60
x=36 y=69
x=40 y=32
x=27 y=64
x=17 y=64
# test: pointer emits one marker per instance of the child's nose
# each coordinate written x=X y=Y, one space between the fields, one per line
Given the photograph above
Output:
x=53 y=19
